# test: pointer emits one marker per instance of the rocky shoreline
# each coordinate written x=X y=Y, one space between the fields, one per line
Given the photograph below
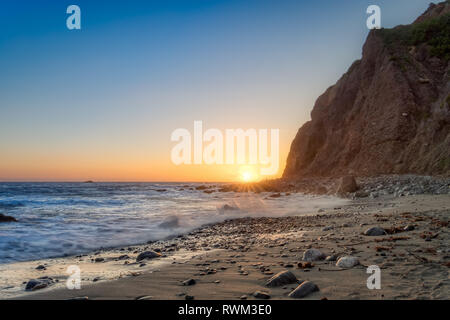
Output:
x=382 y=185
x=327 y=253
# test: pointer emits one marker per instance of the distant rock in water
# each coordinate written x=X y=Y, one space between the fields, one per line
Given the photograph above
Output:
x=228 y=207
x=347 y=262
x=389 y=113
x=4 y=218
x=169 y=223
x=89 y=181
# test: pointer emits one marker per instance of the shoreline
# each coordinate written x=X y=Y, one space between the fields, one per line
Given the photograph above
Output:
x=264 y=246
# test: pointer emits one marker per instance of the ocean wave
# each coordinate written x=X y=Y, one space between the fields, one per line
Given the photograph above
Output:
x=11 y=204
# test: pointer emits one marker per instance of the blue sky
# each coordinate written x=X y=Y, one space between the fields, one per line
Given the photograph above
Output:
x=137 y=70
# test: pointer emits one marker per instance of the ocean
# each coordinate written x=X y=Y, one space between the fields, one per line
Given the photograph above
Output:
x=63 y=219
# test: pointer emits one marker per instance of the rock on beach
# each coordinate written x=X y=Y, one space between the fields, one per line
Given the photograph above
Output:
x=282 y=278
x=347 y=262
x=313 y=255
x=147 y=255
x=304 y=289
x=375 y=231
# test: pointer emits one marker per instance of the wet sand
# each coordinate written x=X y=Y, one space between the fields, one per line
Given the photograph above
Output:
x=233 y=259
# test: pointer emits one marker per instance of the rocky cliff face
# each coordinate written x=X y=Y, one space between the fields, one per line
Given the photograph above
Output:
x=389 y=113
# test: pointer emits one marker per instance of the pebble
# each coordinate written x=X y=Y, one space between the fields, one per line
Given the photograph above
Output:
x=261 y=295
x=375 y=231
x=331 y=258
x=189 y=282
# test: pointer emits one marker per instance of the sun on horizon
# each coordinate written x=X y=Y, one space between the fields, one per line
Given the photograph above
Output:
x=249 y=174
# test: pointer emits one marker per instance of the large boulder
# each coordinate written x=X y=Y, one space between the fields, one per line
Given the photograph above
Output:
x=347 y=184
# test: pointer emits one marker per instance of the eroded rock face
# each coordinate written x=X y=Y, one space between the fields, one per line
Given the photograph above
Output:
x=347 y=262
x=388 y=114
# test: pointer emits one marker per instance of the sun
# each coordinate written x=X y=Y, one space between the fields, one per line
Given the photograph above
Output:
x=248 y=174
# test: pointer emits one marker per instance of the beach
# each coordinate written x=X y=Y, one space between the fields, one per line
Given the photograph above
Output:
x=235 y=258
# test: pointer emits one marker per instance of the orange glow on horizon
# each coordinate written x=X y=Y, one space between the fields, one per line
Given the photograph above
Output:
x=248 y=174
x=106 y=163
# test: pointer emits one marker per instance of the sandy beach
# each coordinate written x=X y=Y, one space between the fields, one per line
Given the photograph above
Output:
x=234 y=259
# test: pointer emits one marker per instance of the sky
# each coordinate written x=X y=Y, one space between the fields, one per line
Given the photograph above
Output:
x=101 y=103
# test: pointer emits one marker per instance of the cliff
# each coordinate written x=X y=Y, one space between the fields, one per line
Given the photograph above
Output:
x=389 y=113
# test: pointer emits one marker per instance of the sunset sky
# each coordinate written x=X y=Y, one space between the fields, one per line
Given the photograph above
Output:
x=101 y=103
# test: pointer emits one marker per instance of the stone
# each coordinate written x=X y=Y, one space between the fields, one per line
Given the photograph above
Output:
x=313 y=255
x=4 y=218
x=169 y=223
x=261 y=295
x=355 y=130
x=41 y=267
x=36 y=284
x=375 y=231
x=147 y=255
x=361 y=194
x=282 y=278
x=189 y=282
x=347 y=185
x=144 y=298
x=347 y=262
x=409 y=228
x=304 y=289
